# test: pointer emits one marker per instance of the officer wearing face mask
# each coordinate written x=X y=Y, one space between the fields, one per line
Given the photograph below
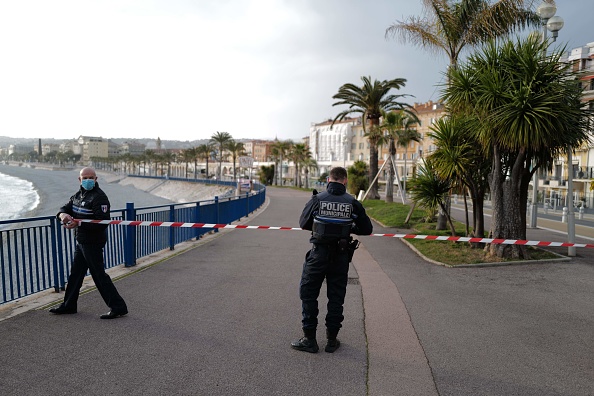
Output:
x=90 y=202
x=331 y=216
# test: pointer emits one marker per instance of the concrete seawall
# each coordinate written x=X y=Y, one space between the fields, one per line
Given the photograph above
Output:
x=56 y=185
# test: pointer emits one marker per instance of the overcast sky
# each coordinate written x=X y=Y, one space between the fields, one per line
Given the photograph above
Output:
x=184 y=69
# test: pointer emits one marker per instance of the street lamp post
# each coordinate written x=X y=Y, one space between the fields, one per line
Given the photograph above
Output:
x=546 y=11
x=570 y=211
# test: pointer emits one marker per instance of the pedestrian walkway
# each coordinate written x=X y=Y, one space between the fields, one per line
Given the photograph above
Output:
x=214 y=320
x=217 y=319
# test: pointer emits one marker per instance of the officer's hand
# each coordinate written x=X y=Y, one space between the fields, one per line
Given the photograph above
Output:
x=68 y=221
x=314 y=192
x=72 y=224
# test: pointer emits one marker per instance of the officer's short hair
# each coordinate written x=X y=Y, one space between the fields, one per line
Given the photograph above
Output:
x=338 y=173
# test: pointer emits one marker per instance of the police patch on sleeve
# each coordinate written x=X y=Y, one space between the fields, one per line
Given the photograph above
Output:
x=104 y=208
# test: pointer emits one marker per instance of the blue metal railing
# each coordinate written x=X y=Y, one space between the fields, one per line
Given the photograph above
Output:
x=35 y=252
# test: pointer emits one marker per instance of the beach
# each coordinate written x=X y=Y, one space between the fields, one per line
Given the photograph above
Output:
x=56 y=186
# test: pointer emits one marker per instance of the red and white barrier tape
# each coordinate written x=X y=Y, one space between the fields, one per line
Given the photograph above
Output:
x=405 y=236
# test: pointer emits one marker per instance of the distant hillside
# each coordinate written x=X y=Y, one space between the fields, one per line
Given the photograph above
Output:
x=6 y=141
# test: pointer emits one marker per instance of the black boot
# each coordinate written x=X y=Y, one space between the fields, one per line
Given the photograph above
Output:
x=333 y=342
x=307 y=343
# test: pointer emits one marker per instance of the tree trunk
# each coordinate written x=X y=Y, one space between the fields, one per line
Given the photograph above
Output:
x=465 y=211
x=306 y=177
x=410 y=212
x=405 y=175
x=449 y=219
x=280 y=170
x=442 y=216
x=390 y=181
x=373 y=169
x=508 y=221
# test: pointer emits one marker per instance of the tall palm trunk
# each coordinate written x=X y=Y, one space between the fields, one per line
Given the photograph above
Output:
x=373 y=170
x=280 y=169
x=390 y=181
x=405 y=174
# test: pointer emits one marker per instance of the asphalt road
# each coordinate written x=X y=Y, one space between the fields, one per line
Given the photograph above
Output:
x=218 y=319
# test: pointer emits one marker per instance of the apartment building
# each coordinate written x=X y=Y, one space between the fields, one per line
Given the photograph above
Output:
x=92 y=147
x=409 y=156
x=359 y=148
x=553 y=186
x=259 y=150
x=330 y=145
x=131 y=148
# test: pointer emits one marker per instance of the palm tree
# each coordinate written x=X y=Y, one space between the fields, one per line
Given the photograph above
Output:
x=142 y=160
x=431 y=191
x=403 y=138
x=399 y=131
x=236 y=149
x=450 y=26
x=281 y=148
x=298 y=154
x=274 y=157
x=187 y=156
x=203 y=152
x=528 y=112
x=168 y=157
x=309 y=164
x=221 y=139
x=456 y=157
x=193 y=154
x=370 y=100
x=150 y=157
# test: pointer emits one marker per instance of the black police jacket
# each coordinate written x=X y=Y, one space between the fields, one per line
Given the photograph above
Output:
x=92 y=204
x=336 y=193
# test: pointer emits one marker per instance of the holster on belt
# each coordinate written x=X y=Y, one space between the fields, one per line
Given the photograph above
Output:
x=343 y=245
x=353 y=245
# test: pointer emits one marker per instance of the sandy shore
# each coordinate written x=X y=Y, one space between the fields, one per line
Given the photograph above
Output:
x=56 y=186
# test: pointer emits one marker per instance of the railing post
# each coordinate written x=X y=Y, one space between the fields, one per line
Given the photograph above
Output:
x=247 y=204
x=197 y=219
x=130 y=237
x=57 y=255
x=216 y=204
x=171 y=229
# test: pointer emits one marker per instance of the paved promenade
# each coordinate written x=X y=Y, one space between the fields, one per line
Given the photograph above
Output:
x=217 y=319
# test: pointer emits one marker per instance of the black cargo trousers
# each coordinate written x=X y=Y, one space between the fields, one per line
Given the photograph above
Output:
x=89 y=256
x=331 y=262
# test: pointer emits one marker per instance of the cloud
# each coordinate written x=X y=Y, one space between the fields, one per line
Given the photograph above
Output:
x=184 y=69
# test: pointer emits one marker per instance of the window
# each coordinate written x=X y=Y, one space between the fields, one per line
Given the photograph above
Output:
x=353 y=146
x=360 y=146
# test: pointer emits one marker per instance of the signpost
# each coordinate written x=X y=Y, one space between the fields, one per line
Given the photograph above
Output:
x=247 y=162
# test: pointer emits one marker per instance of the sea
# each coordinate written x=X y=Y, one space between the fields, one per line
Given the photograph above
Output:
x=17 y=197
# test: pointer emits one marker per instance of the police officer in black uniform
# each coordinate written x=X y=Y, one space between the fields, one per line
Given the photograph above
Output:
x=90 y=202
x=331 y=216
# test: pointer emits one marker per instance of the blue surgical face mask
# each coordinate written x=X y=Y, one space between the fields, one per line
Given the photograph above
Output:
x=87 y=184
